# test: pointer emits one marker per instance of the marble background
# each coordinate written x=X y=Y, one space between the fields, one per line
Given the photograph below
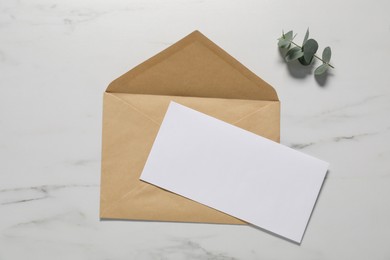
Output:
x=57 y=57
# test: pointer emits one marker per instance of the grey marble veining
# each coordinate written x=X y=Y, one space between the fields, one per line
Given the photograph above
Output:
x=57 y=57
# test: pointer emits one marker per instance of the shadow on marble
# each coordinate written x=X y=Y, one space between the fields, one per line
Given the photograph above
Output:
x=298 y=71
x=197 y=223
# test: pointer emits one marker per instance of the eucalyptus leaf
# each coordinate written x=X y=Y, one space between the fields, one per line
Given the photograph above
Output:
x=283 y=43
x=306 y=37
x=288 y=35
x=326 y=54
x=303 y=61
x=321 y=69
x=309 y=49
x=293 y=54
x=285 y=40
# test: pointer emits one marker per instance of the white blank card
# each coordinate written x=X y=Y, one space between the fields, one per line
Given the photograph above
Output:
x=235 y=171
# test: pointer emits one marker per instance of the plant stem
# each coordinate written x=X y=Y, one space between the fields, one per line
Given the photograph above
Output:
x=315 y=55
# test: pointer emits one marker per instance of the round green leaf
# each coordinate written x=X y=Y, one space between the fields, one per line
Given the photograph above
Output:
x=321 y=69
x=309 y=49
x=293 y=54
x=326 y=54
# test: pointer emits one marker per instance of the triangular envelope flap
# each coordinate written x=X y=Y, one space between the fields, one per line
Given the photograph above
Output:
x=197 y=67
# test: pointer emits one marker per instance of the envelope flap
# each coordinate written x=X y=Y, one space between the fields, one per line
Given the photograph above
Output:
x=194 y=66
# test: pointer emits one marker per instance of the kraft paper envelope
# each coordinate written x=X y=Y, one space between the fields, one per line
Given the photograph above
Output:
x=196 y=73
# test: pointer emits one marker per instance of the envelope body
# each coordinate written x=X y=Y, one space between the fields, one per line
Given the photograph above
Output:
x=194 y=72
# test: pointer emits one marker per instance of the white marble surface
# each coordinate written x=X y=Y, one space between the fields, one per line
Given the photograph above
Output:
x=57 y=57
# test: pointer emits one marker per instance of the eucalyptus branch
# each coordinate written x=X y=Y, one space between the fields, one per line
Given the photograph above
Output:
x=305 y=53
x=315 y=55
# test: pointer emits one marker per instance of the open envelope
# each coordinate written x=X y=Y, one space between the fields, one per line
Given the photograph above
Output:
x=198 y=74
